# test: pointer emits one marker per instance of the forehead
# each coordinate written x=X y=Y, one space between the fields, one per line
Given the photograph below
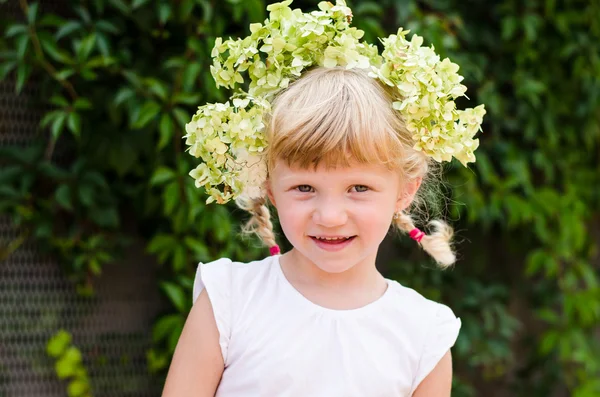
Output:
x=283 y=171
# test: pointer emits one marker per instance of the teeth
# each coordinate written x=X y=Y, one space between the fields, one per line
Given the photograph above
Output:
x=333 y=239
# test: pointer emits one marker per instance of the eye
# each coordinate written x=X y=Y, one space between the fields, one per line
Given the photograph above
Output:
x=304 y=188
x=360 y=188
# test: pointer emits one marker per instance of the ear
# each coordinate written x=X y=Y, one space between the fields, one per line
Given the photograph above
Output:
x=409 y=189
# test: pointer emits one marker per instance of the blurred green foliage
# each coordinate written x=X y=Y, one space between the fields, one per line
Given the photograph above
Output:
x=119 y=78
x=69 y=364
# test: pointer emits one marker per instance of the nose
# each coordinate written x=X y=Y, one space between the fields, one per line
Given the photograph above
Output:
x=330 y=213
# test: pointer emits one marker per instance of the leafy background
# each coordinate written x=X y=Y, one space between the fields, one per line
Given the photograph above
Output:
x=120 y=78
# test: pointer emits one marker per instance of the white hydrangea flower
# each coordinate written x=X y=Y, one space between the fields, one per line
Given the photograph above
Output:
x=229 y=138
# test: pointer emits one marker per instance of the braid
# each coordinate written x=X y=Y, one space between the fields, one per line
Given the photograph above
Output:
x=436 y=244
x=260 y=221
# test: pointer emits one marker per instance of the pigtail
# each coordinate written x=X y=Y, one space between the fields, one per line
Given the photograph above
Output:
x=260 y=220
x=437 y=244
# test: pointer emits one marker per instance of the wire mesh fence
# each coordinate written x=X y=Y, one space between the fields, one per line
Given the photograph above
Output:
x=112 y=328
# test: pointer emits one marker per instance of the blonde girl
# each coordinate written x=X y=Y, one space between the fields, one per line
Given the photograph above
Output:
x=341 y=168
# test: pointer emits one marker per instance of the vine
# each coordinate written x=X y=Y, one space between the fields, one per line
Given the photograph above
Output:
x=119 y=79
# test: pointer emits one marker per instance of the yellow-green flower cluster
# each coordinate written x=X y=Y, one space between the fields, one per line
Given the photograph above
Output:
x=286 y=44
x=427 y=88
x=230 y=137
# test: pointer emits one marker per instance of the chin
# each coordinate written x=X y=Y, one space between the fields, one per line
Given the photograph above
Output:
x=332 y=262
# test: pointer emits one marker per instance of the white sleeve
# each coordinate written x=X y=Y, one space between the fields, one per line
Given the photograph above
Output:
x=440 y=338
x=216 y=278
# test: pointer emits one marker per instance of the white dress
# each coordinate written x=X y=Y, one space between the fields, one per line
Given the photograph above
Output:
x=276 y=342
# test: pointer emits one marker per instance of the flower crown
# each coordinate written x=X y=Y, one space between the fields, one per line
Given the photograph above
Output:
x=229 y=137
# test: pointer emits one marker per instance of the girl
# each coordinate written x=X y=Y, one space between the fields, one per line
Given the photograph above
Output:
x=341 y=167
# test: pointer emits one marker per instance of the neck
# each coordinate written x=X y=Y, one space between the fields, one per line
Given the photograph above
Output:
x=362 y=274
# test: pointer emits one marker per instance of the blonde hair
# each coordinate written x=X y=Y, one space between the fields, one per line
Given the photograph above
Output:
x=334 y=116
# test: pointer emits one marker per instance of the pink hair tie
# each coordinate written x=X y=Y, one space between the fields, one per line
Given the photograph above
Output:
x=274 y=250
x=416 y=235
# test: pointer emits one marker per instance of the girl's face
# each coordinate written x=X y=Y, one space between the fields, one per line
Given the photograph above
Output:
x=337 y=217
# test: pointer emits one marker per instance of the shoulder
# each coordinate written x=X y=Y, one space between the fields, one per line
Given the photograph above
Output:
x=418 y=307
x=228 y=285
x=226 y=275
x=434 y=327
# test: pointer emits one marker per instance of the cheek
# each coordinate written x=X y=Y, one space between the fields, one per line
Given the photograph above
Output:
x=375 y=220
x=292 y=216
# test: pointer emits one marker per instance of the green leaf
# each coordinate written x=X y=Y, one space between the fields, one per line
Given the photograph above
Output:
x=74 y=123
x=21 y=45
x=174 y=63
x=107 y=26
x=120 y=5
x=87 y=46
x=83 y=13
x=58 y=344
x=52 y=20
x=166 y=128
x=78 y=388
x=133 y=78
x=162 y=175
x=9 y=173
x=15 y=29
x=181 y=116
x=64 y=74
x=148 y=112
x=190 y=75
x=179 y=255
x=156 y=361
x=86 y=194
x=164 y=12
x=67 y=29
x=199 y=248
x=105 y=217
x=549 y=342
x=32 y=13
x=63 y=197
x=165 y=326
x=59 y=101
x=138 y=3
x=73 y=356
x=96 y=179
x=64 y=369
x=171 y=198
x=123 y=95
x=48 y=117
x=6 y=68
x=82 y=103
x=58 y=125
x=368 y=8
x=51 y=48
x=186 y=99
x=158 y=88
x=175 y=294
x=95 y=267
x=186 y=8
x=509 y=27
x=103 y=44
x=23 y=72
x=161 y=242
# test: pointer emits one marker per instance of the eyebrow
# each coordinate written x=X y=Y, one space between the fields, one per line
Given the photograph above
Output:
x=363 y=178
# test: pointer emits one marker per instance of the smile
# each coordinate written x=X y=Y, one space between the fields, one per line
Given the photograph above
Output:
x=332 y=244
x=332 y=238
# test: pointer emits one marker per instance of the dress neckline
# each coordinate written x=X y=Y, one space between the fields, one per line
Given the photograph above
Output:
x=368 y=308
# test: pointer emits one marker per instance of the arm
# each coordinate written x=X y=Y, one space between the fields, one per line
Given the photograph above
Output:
x=439 y=381
x=197 y=363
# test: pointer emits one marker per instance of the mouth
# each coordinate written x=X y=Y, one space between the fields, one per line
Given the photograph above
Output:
x=332 y=243
x=333 y=239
